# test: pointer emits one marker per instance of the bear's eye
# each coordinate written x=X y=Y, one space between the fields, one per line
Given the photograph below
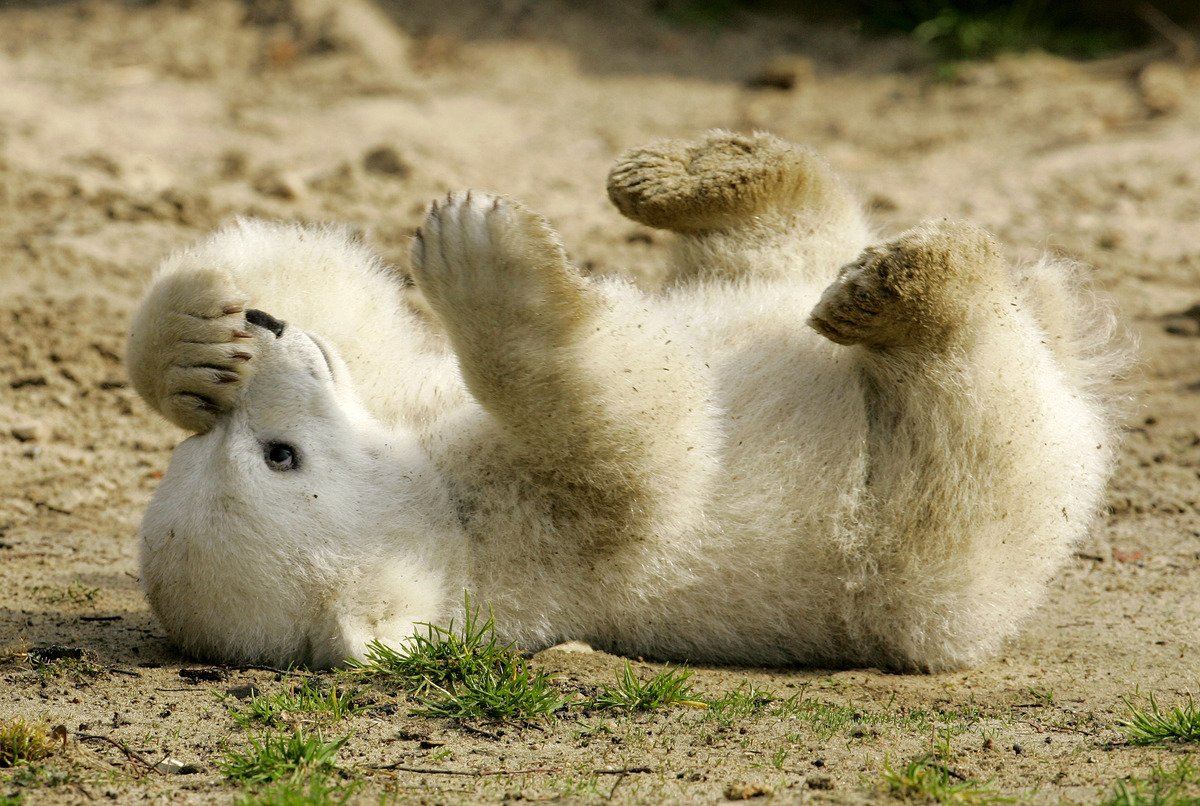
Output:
x=281 y=456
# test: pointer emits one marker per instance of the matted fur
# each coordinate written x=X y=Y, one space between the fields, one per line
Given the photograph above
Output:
x=689 y=475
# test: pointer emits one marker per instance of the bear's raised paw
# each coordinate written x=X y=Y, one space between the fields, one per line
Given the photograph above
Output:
x=720 y=182
x=191 y=349
x=480 y=259
x=918 y=289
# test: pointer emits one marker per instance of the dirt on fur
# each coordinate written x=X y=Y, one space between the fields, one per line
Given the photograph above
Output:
x=129 y=129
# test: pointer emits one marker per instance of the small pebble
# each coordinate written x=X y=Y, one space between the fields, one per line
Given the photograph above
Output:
x=1163 y=87
x=783 y=73
x=279 y=184
x=27 y=432
x=743 y=791
x=173 y=766
x=243 y=692
x=386 y=160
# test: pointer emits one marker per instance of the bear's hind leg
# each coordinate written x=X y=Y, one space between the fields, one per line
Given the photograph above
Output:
x=743 y=206
x=986 y=461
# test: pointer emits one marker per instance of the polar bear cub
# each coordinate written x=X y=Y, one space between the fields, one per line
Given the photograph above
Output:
x=805 y=449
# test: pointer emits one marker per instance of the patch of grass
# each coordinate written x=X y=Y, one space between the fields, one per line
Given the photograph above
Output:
x=60 y=662
x=980 y=29
x=1156 y=725
x=272 y=757
x=955 y=33
x=586 y=732
x=1177 y=787
x=465 y=674
x=317 y=791
x=33 y=776
x=76 y=671
x=668 y=687
x=76 y=593
x=741 y=703
x=509 y=691
x=21 y=742
x=924 y=779
x=1040 y=695
x=302 y=700
x=579 y=789
x=828 y=719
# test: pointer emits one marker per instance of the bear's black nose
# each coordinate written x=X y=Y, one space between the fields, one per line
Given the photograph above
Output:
x=265 y=320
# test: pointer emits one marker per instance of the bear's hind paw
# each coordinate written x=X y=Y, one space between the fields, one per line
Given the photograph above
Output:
x=717 y=183
x=918 y=289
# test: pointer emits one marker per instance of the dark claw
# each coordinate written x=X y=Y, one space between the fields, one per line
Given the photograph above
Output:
x=419 y=245
x=241 y=334
x=230 y=309
x=242 y=355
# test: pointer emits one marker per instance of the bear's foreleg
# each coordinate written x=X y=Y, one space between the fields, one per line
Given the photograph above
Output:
x=601 y=404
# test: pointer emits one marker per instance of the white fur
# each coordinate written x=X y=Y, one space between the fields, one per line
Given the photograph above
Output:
x=691 y=475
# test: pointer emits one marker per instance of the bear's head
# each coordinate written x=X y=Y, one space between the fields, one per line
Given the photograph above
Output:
x=298 y=529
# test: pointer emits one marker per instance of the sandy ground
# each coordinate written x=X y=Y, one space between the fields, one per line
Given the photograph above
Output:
x=129 y=129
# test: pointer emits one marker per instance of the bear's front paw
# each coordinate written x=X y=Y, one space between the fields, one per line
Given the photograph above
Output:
x=917 y=289
x=488 y=265
x=190 y=349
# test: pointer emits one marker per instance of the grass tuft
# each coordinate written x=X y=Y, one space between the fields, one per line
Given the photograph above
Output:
x=668 y=687
x=745 y=701
x=464 y=674
x=924 y=779
x=316 y=791
x=302 y=701
x=510 y=690
x=1156 y=725
x=275 y=757
x=21 y=742
x=66 y=663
